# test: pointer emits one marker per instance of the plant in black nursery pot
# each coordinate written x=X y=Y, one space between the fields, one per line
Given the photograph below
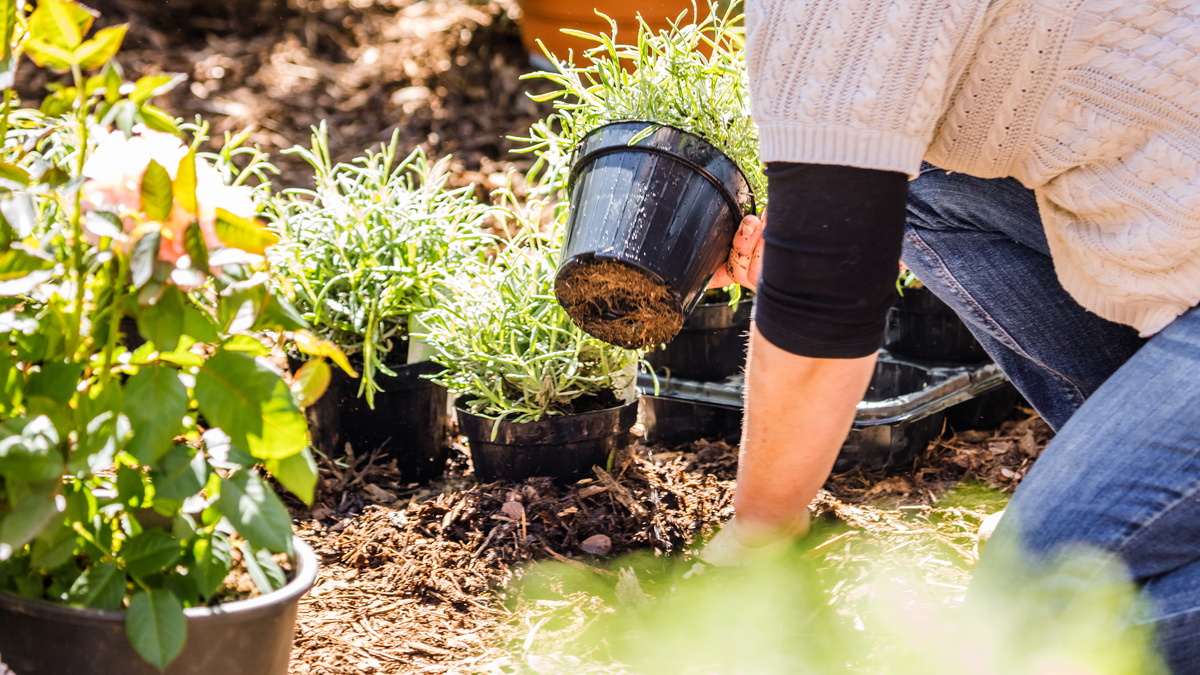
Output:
x=653 y=146
x=538 y=396
x=361 y=255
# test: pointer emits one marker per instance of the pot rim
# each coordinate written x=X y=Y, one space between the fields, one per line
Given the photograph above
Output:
x=721 y=187
x=305 y=577
x=548 y=418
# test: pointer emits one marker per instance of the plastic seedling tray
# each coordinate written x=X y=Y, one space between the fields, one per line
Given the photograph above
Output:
x=904 y=409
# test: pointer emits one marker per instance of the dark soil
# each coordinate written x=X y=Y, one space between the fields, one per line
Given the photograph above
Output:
x=619 y=303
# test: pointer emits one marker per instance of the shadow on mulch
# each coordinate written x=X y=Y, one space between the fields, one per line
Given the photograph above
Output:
x=414 y=579
x=444 y=73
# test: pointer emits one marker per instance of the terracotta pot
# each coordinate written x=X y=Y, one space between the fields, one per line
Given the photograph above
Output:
x=542 y=19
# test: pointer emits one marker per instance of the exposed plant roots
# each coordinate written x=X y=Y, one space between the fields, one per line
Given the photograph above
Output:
x=619 y=303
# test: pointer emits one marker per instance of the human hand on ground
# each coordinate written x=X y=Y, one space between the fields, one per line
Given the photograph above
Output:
x=739 y=543
x=745 y=259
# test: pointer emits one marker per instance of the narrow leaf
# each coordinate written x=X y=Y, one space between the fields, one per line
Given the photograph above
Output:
x=311 y=344
x=156 y=626
x=238 y=232
x=154 y=85
x=157 y=193
x=197 y=250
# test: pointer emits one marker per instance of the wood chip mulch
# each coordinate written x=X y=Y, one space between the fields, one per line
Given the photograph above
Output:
x=414 y=580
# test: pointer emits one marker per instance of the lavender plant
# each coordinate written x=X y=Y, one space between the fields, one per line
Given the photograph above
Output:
x=370 y=246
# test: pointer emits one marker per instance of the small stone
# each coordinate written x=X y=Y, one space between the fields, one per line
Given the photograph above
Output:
x=597 y=544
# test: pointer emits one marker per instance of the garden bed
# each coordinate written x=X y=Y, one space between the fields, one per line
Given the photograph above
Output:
x=420 y=580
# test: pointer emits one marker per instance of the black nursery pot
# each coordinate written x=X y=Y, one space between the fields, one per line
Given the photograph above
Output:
x=247 y=636
x=407 y=424
x=564 y=447
x=711 y=345
x=920 y=326
x=650 y=224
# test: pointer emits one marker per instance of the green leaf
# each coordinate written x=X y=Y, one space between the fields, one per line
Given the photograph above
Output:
x=250 y=402
x=157 y=193
x=199 y=326
x=131 y=485
x=8 y=21
x=193 y=243
x=256 y=511
x=56 y=381
x=311 y=381
x=213 y=560
x=60 y=23
x=16 y=263
x=29 y=449
x=162 y=322
x=157 y=120
x=101 y=586
x=297 y=473
x=102 y=47
x=248 y=235
x=155 y=402
x=53 y=548
x=179 y=475
x=283 y=314
x=154 y=85
x=245 y=344
x=13 y=173
x=20 y=214
x=156 y=626
x=28 y=517
x=150 y=552
x=143 y=257
x=264 y=571
x=185 y=187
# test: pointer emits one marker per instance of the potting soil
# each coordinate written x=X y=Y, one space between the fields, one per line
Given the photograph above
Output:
x=619 y=303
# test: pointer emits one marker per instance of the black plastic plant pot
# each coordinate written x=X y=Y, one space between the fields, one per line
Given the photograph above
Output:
x=564 y=447
x=247 y=636
x=711 y=345
x=986 y=411
x=920 y=326
x=653 y=213
x=407 y=424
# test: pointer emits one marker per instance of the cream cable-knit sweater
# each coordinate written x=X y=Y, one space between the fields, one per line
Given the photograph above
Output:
x=1094 y=104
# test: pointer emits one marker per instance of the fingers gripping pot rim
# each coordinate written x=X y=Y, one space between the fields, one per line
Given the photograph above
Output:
x=653 y=214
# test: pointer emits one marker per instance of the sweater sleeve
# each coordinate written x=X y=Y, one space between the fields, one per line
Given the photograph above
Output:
x=859 y=83
x=830 y=251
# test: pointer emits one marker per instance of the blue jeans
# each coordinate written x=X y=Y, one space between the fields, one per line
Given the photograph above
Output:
x=1123 y=472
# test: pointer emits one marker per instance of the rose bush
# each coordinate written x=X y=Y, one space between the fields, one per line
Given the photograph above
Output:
x=129 y=475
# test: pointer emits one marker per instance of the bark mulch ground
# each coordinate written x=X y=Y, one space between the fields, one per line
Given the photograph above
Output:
x=422 y=580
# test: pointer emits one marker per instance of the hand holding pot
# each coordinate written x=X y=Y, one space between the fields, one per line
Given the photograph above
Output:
x=745 y=259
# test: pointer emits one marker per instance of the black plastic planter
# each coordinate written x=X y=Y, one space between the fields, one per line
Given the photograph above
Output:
x=921 y=326
x=650 y=223
x=564 y=447
x=407 y=424
x=247 y=636
x=711 y=345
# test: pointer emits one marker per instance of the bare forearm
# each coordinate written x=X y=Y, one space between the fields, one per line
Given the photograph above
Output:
x=798 y=412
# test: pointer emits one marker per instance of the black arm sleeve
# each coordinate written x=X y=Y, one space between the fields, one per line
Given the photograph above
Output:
x=830 y=253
